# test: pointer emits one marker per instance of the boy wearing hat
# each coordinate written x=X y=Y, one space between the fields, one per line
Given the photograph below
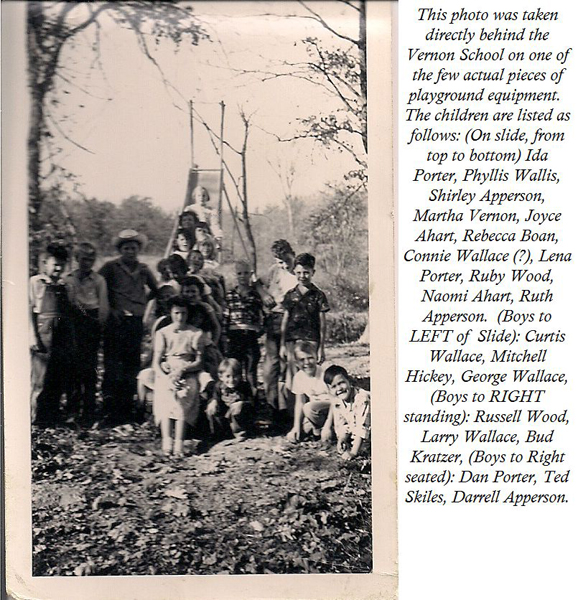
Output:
x=126 y=280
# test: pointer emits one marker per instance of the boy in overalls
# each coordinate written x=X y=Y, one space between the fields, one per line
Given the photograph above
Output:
x=51 y=344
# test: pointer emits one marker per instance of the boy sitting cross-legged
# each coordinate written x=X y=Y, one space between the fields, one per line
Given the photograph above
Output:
x=312 y=400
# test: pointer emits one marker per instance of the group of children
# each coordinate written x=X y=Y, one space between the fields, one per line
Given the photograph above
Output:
x=205 y=341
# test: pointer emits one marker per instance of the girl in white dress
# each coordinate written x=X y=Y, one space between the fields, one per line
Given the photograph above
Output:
x=178 y=358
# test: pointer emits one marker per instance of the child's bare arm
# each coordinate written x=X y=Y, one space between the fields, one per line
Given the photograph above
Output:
x=328 y=426
x=322 y=331
x=266 y=297
x=295 y=433
x=103 y=306
x=37 y=344
x=159 y=353
x=148 y=318
x=214 y=305
x=195 y=365
x=215 y=326
x=283 y=348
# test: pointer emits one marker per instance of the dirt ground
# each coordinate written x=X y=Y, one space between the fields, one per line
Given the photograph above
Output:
x=105 y=502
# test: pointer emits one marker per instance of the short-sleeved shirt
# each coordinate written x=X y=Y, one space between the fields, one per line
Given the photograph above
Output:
x=242 y=393
x=244 y=311
x=88 y=293
x=304 y=313
x=180 y=344
x=352 y=417
x=126 y=287
x=313 y=387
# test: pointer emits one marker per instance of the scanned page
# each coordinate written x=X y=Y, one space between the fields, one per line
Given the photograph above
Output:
x=487 y=329
x=199 y=289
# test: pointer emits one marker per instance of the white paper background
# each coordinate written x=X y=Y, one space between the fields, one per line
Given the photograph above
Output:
x=460 y=552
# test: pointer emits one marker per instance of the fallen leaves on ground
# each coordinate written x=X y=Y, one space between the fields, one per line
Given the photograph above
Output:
x=106 y=503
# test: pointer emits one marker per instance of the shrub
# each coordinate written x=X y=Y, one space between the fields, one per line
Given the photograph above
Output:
x=343 y=327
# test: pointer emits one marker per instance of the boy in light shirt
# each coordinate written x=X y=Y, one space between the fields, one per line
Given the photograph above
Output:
x=280 y=279
x=350 y=413
x=88 y=296
x=312 y=400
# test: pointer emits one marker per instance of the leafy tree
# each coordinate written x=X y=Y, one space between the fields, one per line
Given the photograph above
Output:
x=342 y=71
x=53 y=26
x=337 y=234
x=99 y=221
x=141 y=214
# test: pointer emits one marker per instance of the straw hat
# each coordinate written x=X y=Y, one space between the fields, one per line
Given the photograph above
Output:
x=130 y=235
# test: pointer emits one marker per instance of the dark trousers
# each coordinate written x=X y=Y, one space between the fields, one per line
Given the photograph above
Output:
x=122 y=346
x=244 y=346
x=51 y=370
x=87 y=331
x=274 y=367
x=236 y=418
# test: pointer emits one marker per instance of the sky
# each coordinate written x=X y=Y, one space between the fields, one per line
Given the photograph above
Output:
x=135 y=129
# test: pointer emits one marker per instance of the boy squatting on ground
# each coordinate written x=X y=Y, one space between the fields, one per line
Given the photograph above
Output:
x=231 y=407
x=51 y=337
x=349 y=416
x=304 y=314
x=88 y=296
x=312 y=400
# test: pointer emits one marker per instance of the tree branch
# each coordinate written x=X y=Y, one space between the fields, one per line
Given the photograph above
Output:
x=91 y=19
x=317 y=17
x=66 y=137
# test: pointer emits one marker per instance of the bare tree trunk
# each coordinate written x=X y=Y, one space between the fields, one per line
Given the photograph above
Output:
x=290 y=214
x=363 y=69
x=246 y=220
x=34 y=18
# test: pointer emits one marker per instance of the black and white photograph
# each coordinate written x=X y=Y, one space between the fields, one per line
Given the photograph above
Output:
x=200 y=390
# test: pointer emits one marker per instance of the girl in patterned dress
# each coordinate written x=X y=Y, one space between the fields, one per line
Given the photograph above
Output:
x=177 y=361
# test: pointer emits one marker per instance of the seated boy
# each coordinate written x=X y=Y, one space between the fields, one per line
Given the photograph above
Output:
x=350 y=413
x=51 y=343
x=304 y=314
x=312 y=400
x=231 y=406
